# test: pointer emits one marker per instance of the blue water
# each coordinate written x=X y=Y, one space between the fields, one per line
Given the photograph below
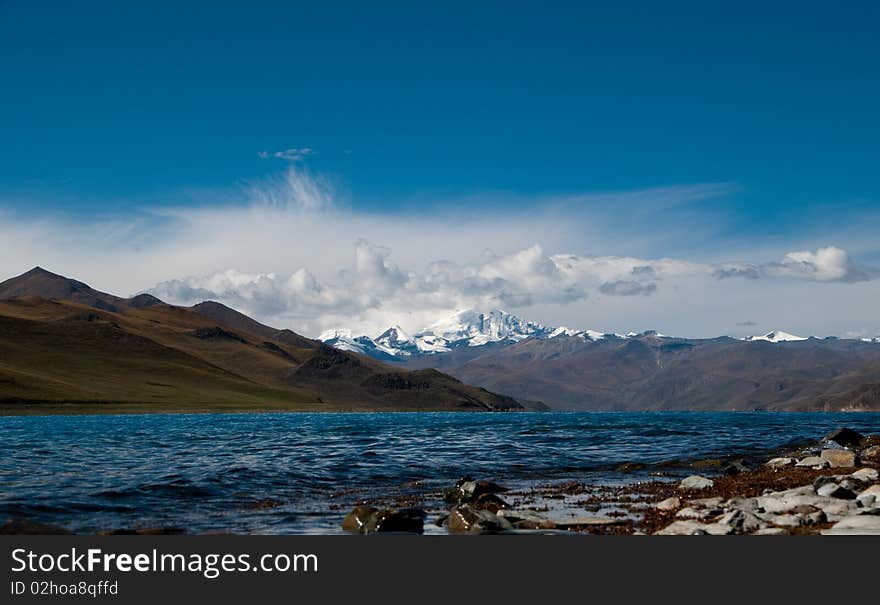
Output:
x=216 y=472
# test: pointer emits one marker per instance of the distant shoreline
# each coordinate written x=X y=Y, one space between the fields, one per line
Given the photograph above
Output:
x=51 y=408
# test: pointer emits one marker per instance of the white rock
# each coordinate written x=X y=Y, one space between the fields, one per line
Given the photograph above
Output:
x=827 y=489
x=785 y=520
x=867 y=500
x=695 y=528
x=696 y=482
x=743 y=522
x=780 y=462
x=855 y=525
x=771 y=531
x=669 y=504
x=690 y=512
x=866 y=474
x=873 y=490
x=814 y=462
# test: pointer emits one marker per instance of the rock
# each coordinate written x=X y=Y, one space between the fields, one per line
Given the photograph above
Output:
x=870 y=441
x=525 y=519
x=867 y=500
x=389 y=520
x=490 y=502
x=694 y=528
x=468 y=490
x=832 y=490
x=464 y=519
x=696 y=482
x=368 y=519
x=871 y=454
x=785 y=520
x=780 y=462
x=866 y=474
x=742 y=522
x=690 y=512
x=734 y=467
x=814 y=462
x=839 y=458
x=743 y=504
x=23 y=527
x=669 y=504
x=845 y=437
x=855 y=525
x=356 y=520
x=873 y=490
x=836 y=509
x=575 y=523
x=771 y=531
x=823 y=480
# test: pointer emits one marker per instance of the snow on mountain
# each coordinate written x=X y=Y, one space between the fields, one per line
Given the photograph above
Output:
x=776 y=336
x=473 y=329
x=465 y=328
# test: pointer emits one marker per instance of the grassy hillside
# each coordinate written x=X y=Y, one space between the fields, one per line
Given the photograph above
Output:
x=143 y=355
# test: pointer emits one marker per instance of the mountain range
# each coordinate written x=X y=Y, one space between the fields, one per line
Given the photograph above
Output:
x=63 y=343
x=587 y=369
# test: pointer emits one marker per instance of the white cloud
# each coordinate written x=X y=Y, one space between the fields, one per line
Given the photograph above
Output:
x=828 y=264
x=296 y=154
x=297 y=256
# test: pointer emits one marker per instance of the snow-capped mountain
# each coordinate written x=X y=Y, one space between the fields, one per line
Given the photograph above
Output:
x=467 y=328
x=474 y=329
x=776 y=336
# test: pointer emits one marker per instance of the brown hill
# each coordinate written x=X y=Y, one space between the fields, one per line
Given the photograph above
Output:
x=62 y=342
x=652 y=373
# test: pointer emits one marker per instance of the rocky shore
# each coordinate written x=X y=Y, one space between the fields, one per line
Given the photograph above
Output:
x=828 y=488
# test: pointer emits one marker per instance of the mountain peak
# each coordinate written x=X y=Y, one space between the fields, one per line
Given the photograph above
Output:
x=776 y=336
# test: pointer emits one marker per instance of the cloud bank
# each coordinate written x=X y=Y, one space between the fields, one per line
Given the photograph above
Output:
x=296 y=254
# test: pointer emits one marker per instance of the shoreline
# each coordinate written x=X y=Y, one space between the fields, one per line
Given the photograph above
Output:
x=825 y=488
x=51 y=408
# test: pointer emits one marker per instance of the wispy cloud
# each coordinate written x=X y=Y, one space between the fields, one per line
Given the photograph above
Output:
x=294 y=154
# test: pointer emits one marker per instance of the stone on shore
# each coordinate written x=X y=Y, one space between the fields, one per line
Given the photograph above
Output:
x=526 y=519
x=356 y=520
x=696 y=482
x=866 y=474
x=871 y=454
x=780 y=462
x=489 y=502
x=468 y=490
x=844 y=437
x=833 y=490
x=669 y=504
x=695 y=528
x=742 y=522
x=839 y=458
x=464 y=519
x=814 y=462
x=771 y=531
x=368 y=519
x=855 y=525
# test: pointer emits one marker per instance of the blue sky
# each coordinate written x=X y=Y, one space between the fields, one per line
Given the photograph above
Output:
x=111 y=110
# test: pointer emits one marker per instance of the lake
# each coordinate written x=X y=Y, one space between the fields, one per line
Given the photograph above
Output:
x=300 y=473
